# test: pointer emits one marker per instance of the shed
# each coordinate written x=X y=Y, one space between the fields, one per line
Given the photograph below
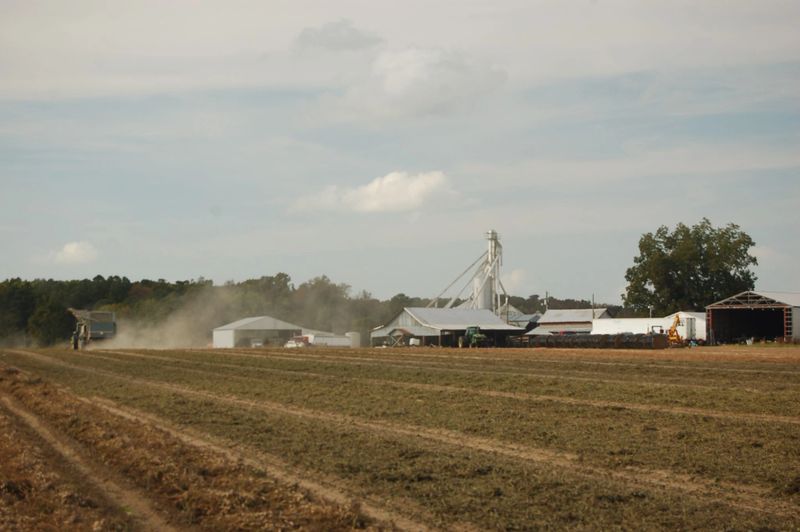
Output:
x=259 y=330
x=754 y=314
x=440 y=326
x=568 y=321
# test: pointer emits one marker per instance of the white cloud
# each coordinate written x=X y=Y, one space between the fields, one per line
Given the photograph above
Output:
x=199 y=46
x=419 y=82
x=337 y=36
x=394 y=192
x=76 y=253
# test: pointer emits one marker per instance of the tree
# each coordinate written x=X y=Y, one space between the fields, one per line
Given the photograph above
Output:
x=50 y=323
x=689 y=268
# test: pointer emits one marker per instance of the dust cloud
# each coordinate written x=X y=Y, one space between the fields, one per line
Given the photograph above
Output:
x=189 y=325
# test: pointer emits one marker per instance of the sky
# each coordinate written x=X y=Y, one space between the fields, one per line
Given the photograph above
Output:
x=376 y=142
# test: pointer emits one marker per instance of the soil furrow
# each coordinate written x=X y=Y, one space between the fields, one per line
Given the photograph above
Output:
x=276 y=467
x=92 y=473
x=528 y=358
x=462 y=370
x=736 y=495
x=689 y=411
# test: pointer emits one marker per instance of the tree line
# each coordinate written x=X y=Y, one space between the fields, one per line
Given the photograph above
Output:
x=34 y=312
x=684 y=269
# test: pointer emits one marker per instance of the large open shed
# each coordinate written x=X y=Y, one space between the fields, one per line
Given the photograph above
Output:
x=259 y=330
x=441 y=326
x=758 y=315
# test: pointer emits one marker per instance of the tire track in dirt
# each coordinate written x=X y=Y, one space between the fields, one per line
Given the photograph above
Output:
x=451 y=369
x=276 y=468
x=639 y=407
x=401 y=357
x=745 y=497
x=492 y=370
x=92 y=473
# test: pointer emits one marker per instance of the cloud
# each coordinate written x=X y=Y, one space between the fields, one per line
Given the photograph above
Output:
x=337 y=36
x=76 y=253
x=420 y=82
x=394 y=192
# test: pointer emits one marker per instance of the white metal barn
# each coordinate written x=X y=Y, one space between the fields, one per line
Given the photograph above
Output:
x=568 y=321
x=259 y=330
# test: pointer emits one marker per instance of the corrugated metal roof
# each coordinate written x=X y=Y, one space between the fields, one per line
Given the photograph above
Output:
x=572 y=315
x=696 y=315
x=459 y=318
x=525 y=317
x=555 y=328
x=414 y=330
x=259 y=323
x=789 y=298
x=749 y=297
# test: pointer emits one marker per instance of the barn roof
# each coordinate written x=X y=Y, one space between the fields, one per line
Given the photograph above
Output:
x=572 y=315
x=421 y=321
x=696 y=315
x=555 y=328
x=259 y=323
x=459 y=318
x=759 y=299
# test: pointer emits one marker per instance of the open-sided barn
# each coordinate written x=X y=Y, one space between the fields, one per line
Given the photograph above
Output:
x=441 y=326
x=755 y=314
x=259 y=330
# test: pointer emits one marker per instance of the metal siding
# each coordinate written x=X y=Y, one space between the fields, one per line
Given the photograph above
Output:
x=404 y=320
x=459 y=319
x=573 y=315
x=223 y=338
x=631 y=325
x=259 y=323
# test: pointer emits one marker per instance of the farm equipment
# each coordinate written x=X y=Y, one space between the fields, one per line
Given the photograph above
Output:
x=92 y=325
x=673 y=336
x=473 y=337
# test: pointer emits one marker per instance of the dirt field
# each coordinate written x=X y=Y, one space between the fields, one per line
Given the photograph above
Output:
x=424 y=438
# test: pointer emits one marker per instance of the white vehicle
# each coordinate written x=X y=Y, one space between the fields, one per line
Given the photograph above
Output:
x=297 y=341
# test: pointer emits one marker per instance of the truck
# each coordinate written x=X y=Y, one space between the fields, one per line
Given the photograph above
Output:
x=92 y=325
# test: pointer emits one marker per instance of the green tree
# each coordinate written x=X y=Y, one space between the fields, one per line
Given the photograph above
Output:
x=50 y=323
x=689 y=268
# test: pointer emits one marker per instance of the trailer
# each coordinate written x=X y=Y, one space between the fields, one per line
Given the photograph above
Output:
x=92 y=325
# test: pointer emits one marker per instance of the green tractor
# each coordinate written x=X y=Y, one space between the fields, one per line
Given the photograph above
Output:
x=473 y=337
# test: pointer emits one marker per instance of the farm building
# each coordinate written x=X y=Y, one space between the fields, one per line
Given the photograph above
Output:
x=526 y=321
x=260 y=330
x=568 y=321
x=692 y=325
x=758 y=315
x=440 y=326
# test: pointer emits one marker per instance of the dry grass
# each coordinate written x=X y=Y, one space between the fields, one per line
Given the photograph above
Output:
x=509 y=439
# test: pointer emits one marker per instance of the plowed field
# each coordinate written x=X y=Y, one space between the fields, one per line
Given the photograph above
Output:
x=414 y=439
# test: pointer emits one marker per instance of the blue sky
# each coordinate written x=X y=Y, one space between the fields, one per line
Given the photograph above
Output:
x=377 y=143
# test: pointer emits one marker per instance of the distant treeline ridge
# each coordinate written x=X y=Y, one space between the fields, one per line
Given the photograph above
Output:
x=35 y=312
